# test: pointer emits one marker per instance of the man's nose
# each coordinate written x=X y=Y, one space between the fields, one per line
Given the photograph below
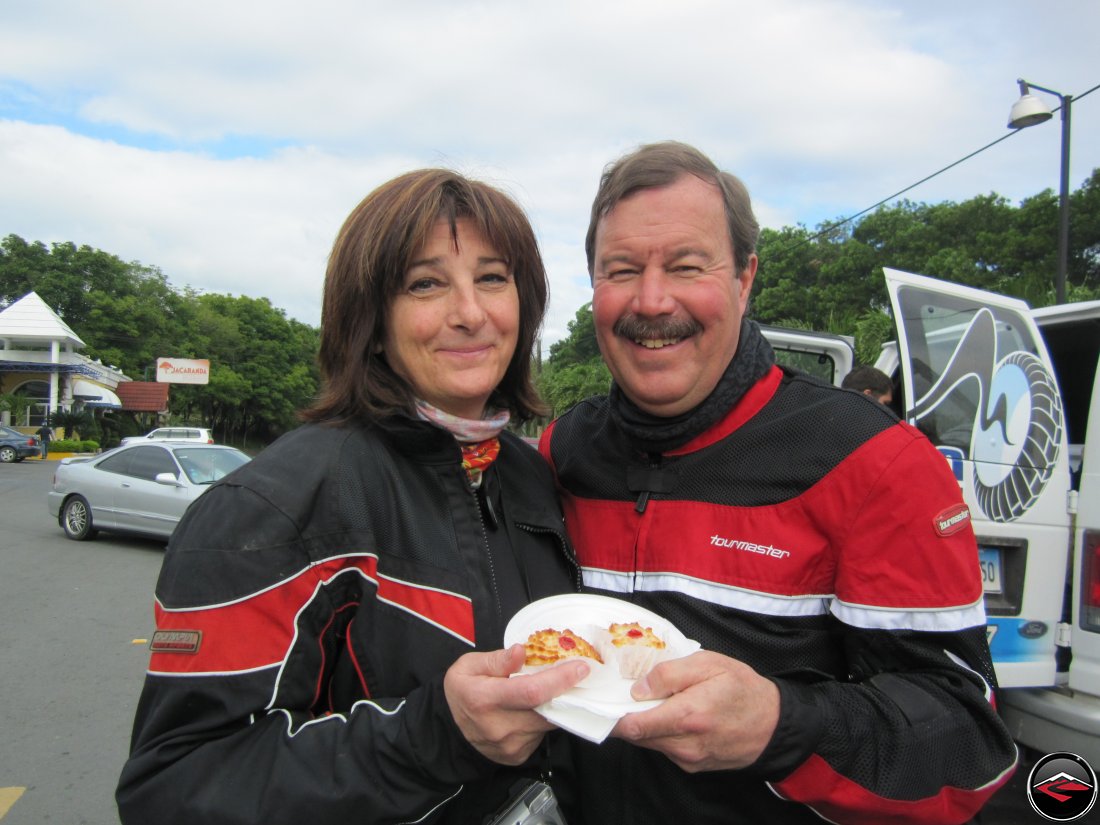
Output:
x=653 y=296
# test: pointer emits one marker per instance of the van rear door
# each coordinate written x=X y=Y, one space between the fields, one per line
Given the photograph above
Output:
x=1072 y=335
x=978 y=381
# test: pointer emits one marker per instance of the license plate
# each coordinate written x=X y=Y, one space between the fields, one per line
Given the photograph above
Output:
x=990 y=561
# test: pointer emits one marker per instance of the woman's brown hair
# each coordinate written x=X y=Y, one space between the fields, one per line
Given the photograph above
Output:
x=367 y=268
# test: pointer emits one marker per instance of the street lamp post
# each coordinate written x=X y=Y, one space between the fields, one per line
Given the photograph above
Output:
x=1028 y=111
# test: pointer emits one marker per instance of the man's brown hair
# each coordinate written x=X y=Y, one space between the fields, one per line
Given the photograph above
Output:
x=367 y=268
x=661 y=164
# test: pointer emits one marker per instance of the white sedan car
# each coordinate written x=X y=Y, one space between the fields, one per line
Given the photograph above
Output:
x=140 y=488
x=199 y=434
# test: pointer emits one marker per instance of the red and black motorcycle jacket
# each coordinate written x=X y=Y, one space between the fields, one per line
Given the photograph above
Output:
x=306 y=611
x=815 y=537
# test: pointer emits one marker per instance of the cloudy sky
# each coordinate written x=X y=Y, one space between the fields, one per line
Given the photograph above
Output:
x=225 y=142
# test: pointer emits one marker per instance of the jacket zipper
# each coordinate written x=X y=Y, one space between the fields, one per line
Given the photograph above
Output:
x=562 y=543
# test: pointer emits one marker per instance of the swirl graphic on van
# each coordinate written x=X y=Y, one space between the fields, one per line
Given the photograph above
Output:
x=1017 y=424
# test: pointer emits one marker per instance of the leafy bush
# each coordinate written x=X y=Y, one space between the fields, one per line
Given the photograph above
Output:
x=77 y=425
x=71 y=445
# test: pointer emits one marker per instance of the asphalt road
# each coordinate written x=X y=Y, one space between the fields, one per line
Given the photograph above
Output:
x=74 y=620
x=70 y=669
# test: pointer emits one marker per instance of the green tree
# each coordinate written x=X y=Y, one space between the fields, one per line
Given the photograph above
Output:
x=574 y=371
x=262 y=363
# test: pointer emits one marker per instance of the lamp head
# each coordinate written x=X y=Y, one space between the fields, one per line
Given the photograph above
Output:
x=1028 y=111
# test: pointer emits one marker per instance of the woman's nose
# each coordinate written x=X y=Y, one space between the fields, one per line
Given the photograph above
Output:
x=467 y=310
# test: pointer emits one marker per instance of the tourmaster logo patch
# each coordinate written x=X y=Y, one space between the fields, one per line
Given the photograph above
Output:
x=750 y=547
x=1062 y=787
x=176 y=641
x=952 y=520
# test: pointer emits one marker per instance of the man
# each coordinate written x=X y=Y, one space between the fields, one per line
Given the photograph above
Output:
x=870 y=381
x=45 y=435
x=806 y=538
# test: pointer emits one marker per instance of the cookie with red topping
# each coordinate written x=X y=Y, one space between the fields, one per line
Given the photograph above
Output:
x=545 y=647
x=636 y=648
x=633 y=633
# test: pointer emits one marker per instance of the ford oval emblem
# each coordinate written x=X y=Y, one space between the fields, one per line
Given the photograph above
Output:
x=1033 y=630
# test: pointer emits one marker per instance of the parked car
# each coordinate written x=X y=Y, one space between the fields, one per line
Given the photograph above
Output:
x=200 y=434
x=15 y=446
x=142 y=488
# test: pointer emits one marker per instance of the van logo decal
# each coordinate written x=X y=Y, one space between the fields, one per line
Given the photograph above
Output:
x=1017 y=418
x=952 y=520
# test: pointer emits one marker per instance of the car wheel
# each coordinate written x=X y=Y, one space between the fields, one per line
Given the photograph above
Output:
x=7 y=455
x=76 y=519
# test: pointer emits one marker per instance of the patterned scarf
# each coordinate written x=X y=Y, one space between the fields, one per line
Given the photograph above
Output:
x=476 y=437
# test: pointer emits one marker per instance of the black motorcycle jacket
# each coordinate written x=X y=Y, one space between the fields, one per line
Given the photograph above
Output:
x=308 y=607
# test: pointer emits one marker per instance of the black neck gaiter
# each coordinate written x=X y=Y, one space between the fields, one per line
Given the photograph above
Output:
x=654 y=434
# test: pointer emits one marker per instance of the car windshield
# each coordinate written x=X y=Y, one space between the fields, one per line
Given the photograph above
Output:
x=204 y=465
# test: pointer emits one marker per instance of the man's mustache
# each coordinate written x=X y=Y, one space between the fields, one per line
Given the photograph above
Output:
x=635 y=328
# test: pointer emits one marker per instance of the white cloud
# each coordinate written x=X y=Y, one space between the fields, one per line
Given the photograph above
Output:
x=823 y=108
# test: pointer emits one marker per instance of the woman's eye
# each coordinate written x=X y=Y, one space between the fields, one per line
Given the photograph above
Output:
x=421 y=285
x=494 y=278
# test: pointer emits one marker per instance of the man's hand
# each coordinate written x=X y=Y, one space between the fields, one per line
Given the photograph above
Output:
x=495 y=713
x=719 y=713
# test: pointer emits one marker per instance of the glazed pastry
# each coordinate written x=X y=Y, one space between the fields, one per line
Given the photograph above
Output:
x=545 y=647
x=634 y=634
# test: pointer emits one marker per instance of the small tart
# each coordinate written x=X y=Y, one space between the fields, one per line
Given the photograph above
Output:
x=633 y=633
x=545 y=647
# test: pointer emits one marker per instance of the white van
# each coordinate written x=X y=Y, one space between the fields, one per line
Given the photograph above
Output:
x=821 y=354
x=1009 y=396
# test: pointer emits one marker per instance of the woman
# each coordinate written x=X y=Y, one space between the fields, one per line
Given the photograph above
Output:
x=317 y=610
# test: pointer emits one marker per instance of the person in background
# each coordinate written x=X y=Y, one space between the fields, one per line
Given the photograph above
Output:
x=45 y=436
x=870 y=381
x=815 y=546
x=329 y=617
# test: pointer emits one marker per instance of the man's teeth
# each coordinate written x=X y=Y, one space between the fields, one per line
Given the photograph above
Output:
x=657 y=343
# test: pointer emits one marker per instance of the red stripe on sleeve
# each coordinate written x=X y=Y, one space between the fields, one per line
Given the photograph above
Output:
x=257 y=631
x=838 y=799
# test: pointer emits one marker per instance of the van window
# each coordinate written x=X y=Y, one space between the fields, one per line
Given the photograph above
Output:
x=1073 y=349
x=816 y=364
x=953 y=358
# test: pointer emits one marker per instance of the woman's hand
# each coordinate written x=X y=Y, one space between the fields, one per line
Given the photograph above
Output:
x=495 y=713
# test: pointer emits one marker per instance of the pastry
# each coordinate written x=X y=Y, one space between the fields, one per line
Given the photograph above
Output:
x=636 y=648
x=634 y=634
x=545 y=647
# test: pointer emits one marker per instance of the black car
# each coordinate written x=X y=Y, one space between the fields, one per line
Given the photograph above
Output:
x=15 y=446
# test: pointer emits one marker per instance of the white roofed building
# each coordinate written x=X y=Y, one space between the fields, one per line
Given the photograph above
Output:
x=39 y=360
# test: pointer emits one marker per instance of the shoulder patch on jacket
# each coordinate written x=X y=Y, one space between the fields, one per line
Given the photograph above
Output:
x=951 y=520
x=176 y=641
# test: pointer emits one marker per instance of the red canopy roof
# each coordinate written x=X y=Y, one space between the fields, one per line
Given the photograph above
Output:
x=143 y=396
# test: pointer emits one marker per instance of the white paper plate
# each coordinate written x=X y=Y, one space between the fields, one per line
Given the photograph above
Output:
x=592 y=708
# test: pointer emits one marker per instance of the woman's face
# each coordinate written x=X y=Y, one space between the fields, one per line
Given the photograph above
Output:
x=453 y=327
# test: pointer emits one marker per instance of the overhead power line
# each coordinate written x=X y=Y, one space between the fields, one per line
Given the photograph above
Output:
x=829 y=228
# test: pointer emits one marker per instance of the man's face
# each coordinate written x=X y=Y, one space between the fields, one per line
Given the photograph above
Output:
x=666 y=299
